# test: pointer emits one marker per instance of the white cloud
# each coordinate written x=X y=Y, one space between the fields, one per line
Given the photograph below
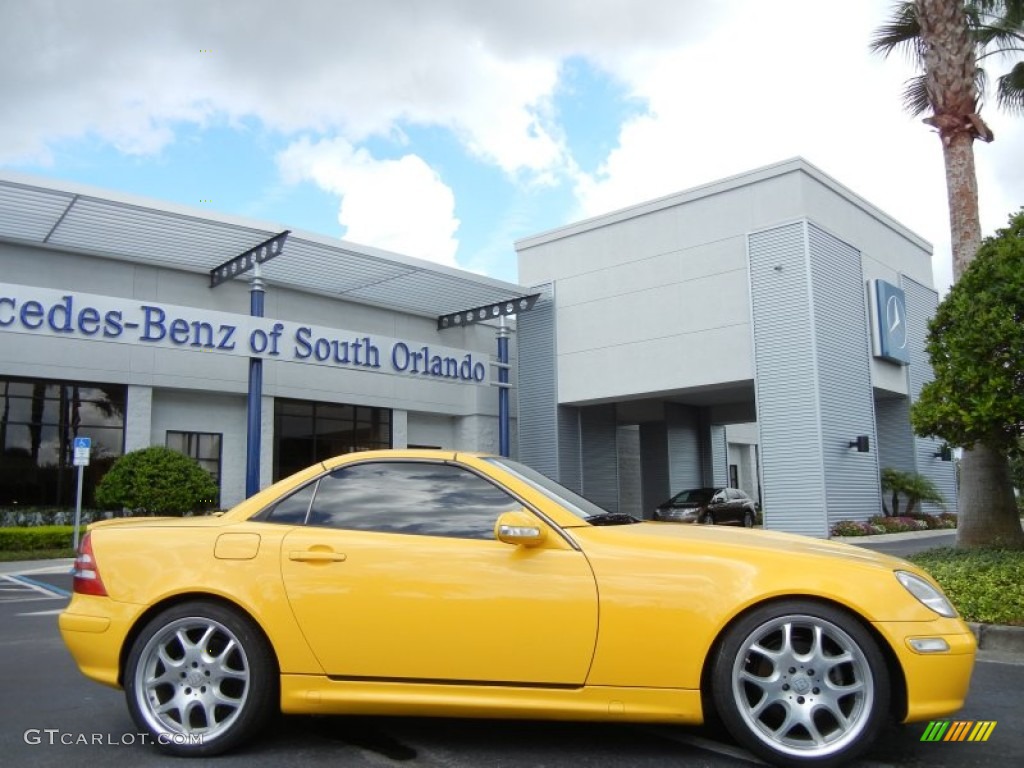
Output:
x=771 y=85
x=398 y=205
x=126 y=72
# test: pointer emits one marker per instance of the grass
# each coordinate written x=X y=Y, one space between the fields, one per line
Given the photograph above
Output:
x=985 y=585
x=7 y=556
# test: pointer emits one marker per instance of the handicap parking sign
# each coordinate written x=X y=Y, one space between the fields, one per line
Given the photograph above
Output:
x=82 y=445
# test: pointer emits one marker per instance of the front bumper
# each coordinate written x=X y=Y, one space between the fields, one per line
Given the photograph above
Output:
x=936 y=682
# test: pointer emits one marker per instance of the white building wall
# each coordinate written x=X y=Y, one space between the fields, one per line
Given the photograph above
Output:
x=183 y=411
x=138 y=418
x=431 y=429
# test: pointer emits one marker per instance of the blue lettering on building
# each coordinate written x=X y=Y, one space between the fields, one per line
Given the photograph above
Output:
x=90 y=317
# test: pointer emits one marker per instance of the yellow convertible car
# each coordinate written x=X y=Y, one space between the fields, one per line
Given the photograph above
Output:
x=442 y=583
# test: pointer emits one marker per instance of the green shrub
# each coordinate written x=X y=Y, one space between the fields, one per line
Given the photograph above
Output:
x=35 y=538
x=984 y=584
x=156 y=481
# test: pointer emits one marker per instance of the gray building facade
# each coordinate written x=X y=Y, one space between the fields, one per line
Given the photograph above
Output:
x=777 y=297
x=110 y=329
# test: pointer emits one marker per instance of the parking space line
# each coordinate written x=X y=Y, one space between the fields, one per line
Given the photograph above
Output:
x=23 y=584
x=50 y=588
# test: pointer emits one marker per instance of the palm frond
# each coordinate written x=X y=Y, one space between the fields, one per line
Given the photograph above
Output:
x=901 y=32
x=915 y=96
x=1010 y=89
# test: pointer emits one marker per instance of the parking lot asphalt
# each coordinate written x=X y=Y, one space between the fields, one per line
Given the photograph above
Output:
x=44 y=698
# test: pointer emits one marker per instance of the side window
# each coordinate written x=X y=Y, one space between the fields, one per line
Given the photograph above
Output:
x=412 y=498
x=291 y=510
x=734 y=494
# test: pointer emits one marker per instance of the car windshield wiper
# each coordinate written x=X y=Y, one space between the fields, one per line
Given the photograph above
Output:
x=611 y=518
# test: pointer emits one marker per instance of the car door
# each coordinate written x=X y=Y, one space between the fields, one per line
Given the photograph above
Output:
x=734 y=505
x=396 y=575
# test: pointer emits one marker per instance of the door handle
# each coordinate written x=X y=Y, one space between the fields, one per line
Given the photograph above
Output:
x=312 y=556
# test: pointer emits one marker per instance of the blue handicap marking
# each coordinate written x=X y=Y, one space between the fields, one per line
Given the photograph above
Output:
x=83 y=442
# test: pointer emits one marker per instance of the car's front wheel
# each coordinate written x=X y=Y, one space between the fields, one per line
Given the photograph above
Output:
x=801 y=683
x=200 y=679
x=708 y=518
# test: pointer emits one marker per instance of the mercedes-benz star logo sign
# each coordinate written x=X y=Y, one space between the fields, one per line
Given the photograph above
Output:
x=895 y=320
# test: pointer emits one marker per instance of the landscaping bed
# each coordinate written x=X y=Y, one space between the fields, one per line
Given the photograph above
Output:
x=985 y=585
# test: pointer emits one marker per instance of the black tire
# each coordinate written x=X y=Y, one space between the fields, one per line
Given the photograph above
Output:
x=748 y=519
x=200 y=669
x=708 y=518
x=756 y=694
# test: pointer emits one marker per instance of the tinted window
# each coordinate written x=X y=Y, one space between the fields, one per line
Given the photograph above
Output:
x=292 y=510
x=693 y=496
x=413 y=498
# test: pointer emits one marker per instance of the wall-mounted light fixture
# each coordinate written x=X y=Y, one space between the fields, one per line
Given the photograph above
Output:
x=862 y=443
x=945 y=453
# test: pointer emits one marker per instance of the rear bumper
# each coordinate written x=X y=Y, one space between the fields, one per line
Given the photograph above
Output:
x=936 y=682
x=94 y=631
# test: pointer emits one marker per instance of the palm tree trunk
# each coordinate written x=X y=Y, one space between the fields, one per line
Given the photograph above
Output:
x=962 y=194
x=988 y=510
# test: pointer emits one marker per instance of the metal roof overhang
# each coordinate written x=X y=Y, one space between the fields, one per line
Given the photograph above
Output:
x=77 y=218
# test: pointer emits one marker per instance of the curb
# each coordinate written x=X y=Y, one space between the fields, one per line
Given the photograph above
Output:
x=882 y=538
x=996 y=637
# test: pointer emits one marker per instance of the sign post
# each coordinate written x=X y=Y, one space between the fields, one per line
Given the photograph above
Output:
x=82 y=447
x=244 y=262
x=497 y=311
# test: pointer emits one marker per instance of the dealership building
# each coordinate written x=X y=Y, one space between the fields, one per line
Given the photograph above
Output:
x=765 y=331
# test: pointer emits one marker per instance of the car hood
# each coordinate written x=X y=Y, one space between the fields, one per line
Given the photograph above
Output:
x=668 y=536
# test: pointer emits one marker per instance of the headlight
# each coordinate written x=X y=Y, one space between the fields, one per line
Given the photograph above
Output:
x=926 y=593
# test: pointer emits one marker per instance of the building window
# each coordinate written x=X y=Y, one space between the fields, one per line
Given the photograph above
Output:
x=39 y=420
x=204 y=447
x=307 y=432
x=734 y=476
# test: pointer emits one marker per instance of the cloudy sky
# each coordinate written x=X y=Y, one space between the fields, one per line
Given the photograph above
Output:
x=446 y=129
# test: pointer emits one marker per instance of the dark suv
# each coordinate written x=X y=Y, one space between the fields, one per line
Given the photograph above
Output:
x=709 y=506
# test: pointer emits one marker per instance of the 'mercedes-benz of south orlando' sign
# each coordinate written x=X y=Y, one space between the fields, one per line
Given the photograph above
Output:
x=89 y=317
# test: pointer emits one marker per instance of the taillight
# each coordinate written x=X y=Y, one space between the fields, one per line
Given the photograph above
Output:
x=86 y=572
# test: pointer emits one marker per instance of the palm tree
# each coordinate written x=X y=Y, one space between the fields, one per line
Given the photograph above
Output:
x=915 y=487
x=950 y=40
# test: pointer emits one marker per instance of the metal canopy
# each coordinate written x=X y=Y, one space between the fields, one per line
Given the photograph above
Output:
x=78 y=218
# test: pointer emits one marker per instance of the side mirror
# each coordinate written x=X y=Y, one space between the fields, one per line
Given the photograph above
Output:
x=519 y=528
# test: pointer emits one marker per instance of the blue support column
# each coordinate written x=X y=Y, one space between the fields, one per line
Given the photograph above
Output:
x=255 y=401
x=504 y=446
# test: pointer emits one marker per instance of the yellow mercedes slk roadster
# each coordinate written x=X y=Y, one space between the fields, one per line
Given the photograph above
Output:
x=443 y=583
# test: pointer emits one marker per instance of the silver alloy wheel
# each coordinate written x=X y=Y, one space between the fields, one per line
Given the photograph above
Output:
x=193 y=678
x=803 y=686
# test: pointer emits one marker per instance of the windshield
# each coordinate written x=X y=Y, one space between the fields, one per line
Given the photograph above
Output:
x=694 y=496
x=579 y=506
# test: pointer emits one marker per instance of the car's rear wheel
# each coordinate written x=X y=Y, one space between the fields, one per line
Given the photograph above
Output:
x=748 y=519
x=200 y=679
x=799 y=683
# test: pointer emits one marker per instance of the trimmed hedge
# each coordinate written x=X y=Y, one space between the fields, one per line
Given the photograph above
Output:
x=37 y=537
